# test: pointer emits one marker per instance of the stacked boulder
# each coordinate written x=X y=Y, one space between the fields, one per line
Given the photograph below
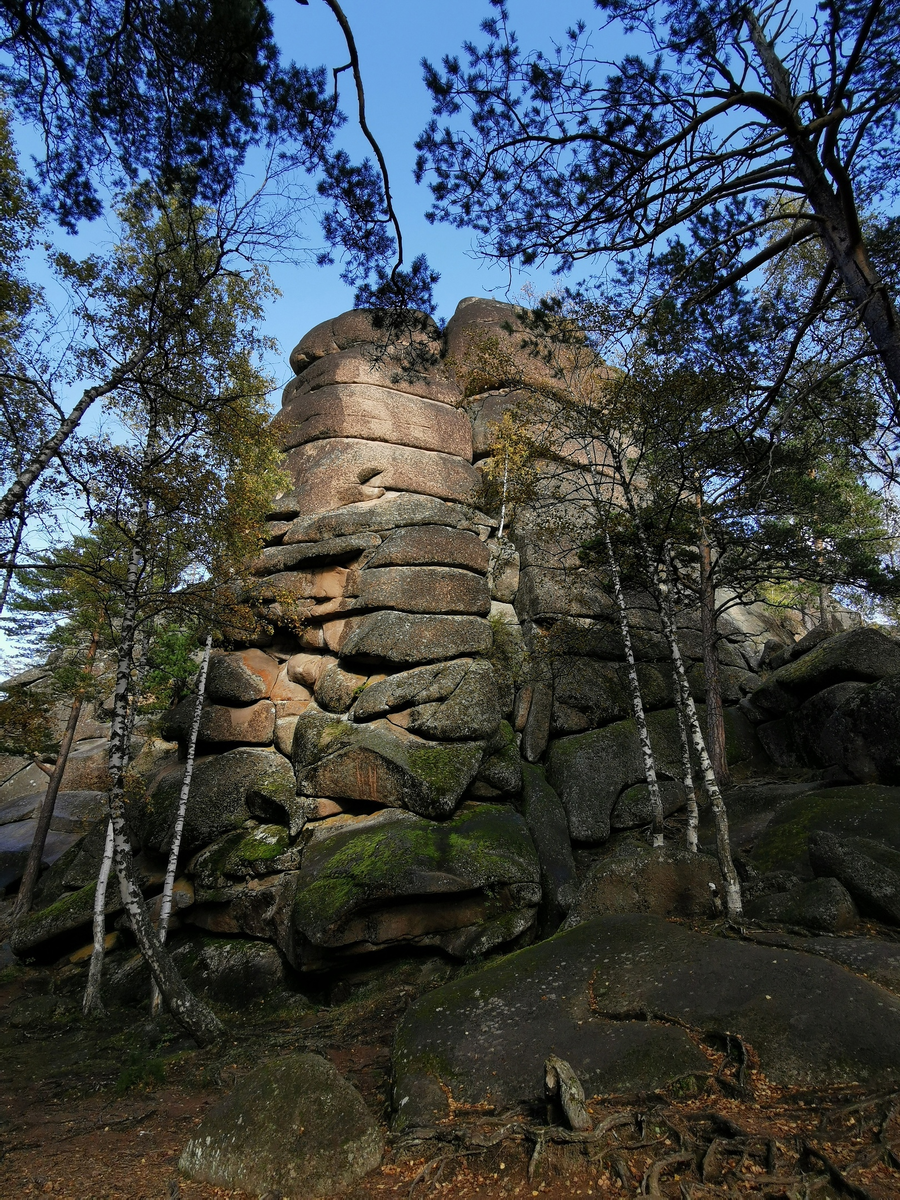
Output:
x=437 y=713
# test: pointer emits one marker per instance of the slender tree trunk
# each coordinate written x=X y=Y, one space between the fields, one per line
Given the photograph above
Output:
x=92 y=1005
x=172 y=865
x=715 y=717
x=733 y=901
x=637 y=704
x=192 y=1014
x=13 y=555
x=25 y=898
x=18 y=490
x=687 y=771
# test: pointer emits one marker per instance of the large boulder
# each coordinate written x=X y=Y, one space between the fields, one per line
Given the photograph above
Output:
x=868 y=811
x=379 y=763
x=226 y=790
x=635 y=878
x=405 y=689
x=874 y=886
x=392 y=511
x=252 y=724
x=861 y=655
x=375 y=413
x=71 y=912
x=616 y=997
x=328 y=473
x=244 y=854
x=591 y=771
x=447 y=590
x=293 y=1127
x=432 y=545
x=862 y=734
x=546 y=820
x=465 y=885
x=408 y=638
x=823 y=904
x=241 y=677
x=234 y=971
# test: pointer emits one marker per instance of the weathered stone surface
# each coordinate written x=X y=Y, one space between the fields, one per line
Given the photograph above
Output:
x=503 y=575
x=421 y=685
x=874 y=887
x=862 y=655
x=470 y=712
x=501 y=767
x=306 y=668
x=548 y=592
x=377 y=414
x=242 y=855
x=864 y=810
x=536 y=733
x=241 y=676
x=366 y=328
x=231 y=971
x=590 y=771
x=393 y=511
x=253 y=725
x=869 y=956
x=367 y=364
x=73 y=911
x=432 y=545
x=421 y=590
x=288 y=557
x=328 y=473
x=377 y=881
x=293 y=1127
x=226 y=790
x=863 y=733
x=373 y=762
x=823 y=904
x=809 y=722
x=413 y=638
x=636 y=878
x=73 y=812
x=336 y=689
x=485 y=1038
x=287 y=692
x=633 y=806
x=546 y=820
x=259 y=908
x=87 y=767
x=317 y=583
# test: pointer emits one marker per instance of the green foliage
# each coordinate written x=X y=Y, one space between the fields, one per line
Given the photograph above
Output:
x=171 y=667
x=140 y=1071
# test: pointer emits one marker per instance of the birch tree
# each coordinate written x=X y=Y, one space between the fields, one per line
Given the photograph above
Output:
x=175 y=848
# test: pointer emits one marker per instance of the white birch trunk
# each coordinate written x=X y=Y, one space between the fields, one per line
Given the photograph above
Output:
x=687 y=772
x=191 y=1013
x=172 y=865
x=637 y=704
x=92 y=1003
x=733 y=901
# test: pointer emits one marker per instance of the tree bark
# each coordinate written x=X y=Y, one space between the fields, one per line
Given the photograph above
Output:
x=13 y=554
x=174 y=849
x=733 y=901
x=715 y=717
x=25 y=898
x=637 y=703
x=192 y=1014
x=838 y=217
x=92 y=1005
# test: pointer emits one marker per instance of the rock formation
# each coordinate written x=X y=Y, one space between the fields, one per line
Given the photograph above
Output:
x=436 y=724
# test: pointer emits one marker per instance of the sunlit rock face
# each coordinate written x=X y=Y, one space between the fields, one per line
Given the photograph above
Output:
x=359 y=785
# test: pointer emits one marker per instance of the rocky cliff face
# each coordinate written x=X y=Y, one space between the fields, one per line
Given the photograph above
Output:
x=360 y=782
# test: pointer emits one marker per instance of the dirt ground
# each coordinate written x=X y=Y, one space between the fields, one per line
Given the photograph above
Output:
x=101 y=1110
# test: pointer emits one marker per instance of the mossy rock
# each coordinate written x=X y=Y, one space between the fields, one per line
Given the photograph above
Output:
x=483 y=1040
x=234 y=971
x=226 y=790
x=242 y=854
x=43 y=930
x=865 y=810
x=399 y=878
x=294 y=1127
x=378 y=763
x=502 y=765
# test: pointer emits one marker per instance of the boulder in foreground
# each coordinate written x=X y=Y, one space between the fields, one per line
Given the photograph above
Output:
x=293 y=1127
x=618 y=995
